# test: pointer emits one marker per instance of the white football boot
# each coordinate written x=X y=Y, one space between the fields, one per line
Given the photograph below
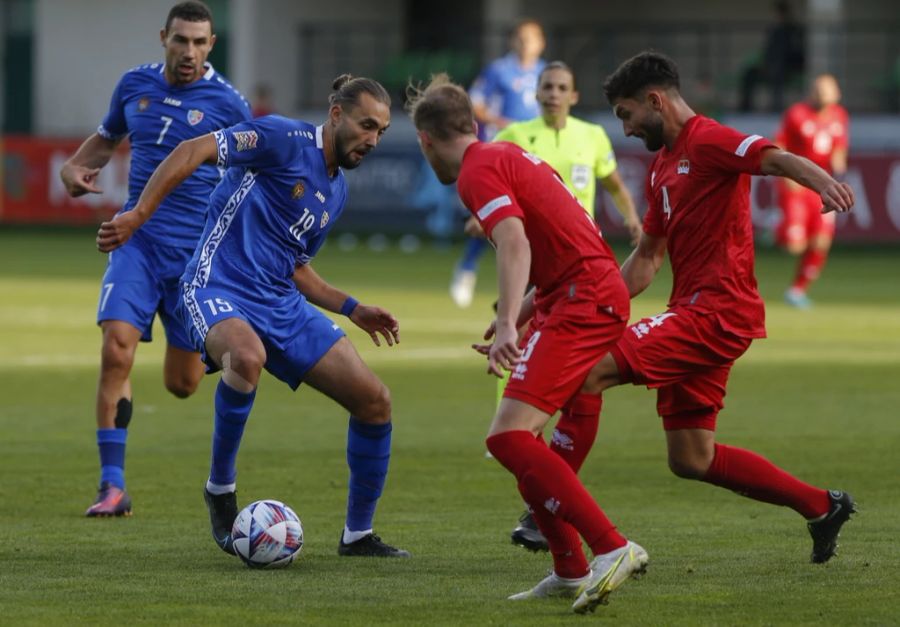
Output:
x=553 y=586
x=611 y=570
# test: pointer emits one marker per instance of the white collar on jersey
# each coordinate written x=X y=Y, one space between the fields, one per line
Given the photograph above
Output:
x=319 y=142
x=209 y=70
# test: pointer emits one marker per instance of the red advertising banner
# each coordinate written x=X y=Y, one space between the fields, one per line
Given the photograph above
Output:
x=874 y=177
x=34 y=194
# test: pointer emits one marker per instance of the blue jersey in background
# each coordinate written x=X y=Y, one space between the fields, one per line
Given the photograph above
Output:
x=508 y=90
x=157 y=116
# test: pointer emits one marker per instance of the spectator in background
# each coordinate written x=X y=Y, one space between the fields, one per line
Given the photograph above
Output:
x=818 y=130
x=262 y=101
x=782 y=60
x=504 y=92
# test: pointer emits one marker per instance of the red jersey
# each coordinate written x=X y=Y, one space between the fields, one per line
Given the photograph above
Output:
x=814 y=134
x=699 y=200
x=499 y=180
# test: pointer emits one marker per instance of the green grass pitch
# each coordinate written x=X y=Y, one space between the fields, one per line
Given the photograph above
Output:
x=820 y=397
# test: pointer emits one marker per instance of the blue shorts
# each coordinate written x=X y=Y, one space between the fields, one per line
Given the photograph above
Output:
x=295 y=334
x=142 y=280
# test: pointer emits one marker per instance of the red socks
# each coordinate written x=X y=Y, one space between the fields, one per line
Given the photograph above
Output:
x=576 y=429
x=811 y=264
x=754 y=476
x=554 y=494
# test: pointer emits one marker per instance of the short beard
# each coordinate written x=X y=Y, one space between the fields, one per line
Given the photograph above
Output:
x=653 y=136
x=342 y=154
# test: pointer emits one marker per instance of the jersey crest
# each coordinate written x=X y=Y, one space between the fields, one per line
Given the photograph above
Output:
x=194 y=116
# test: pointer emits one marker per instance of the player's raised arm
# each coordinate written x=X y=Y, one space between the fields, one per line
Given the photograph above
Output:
x=373 y=320
x=835 y=196
x=79 y=172
x=643 y=263
x=180 y=164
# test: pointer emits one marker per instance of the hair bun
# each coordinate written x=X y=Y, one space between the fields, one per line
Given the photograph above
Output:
x=341 y=80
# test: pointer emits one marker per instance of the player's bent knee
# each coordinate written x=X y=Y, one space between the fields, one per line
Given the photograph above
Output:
x=604 y=375
x=375 y=407
x=116 y=353
x=246 y=361
x=689 y=466
x=796 y=247
x=182 y=387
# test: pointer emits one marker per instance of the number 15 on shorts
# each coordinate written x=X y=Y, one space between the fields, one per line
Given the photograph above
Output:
x=218 y=306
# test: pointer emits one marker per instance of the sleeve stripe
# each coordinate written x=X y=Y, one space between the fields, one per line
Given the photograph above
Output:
x=492 y=206
x=745 y=145
x=221 y=148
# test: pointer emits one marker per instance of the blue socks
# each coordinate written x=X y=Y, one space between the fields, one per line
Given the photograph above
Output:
x=111 y=443
x=368 y=454
x=472 y=252
x=232 y=411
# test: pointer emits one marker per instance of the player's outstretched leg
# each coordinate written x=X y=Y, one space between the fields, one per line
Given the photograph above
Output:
x=608 y=572
x=368 y=455
x=343 y=376
x=694 y=454
x=825 y=529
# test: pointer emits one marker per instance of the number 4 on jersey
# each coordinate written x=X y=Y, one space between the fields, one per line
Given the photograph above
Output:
x=667 y=208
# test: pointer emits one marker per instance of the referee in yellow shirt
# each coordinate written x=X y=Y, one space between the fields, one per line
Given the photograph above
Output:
x=579 y=151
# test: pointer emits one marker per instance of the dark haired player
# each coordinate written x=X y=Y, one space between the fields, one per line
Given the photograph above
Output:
x=156 y=106
x=248 y=293
x=699 y=212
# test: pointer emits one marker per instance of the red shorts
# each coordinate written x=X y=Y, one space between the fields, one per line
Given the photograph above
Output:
x=561 y=346
x=802 y=216
x=687 y=355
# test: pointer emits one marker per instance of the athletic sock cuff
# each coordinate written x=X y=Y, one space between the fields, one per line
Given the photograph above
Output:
x=233 y=397
x=368 y=430
x=112 y=436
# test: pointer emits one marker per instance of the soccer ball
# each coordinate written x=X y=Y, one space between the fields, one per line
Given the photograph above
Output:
x=267 y=534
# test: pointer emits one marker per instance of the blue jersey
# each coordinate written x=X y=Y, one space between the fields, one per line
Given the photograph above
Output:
x=157 y=116
x=272 y=211
x=508 y=89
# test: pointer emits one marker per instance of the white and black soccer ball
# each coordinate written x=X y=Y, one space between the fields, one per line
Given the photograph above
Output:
x=267 y=534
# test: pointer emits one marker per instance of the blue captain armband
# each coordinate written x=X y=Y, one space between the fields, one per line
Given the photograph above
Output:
x=349 y=306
